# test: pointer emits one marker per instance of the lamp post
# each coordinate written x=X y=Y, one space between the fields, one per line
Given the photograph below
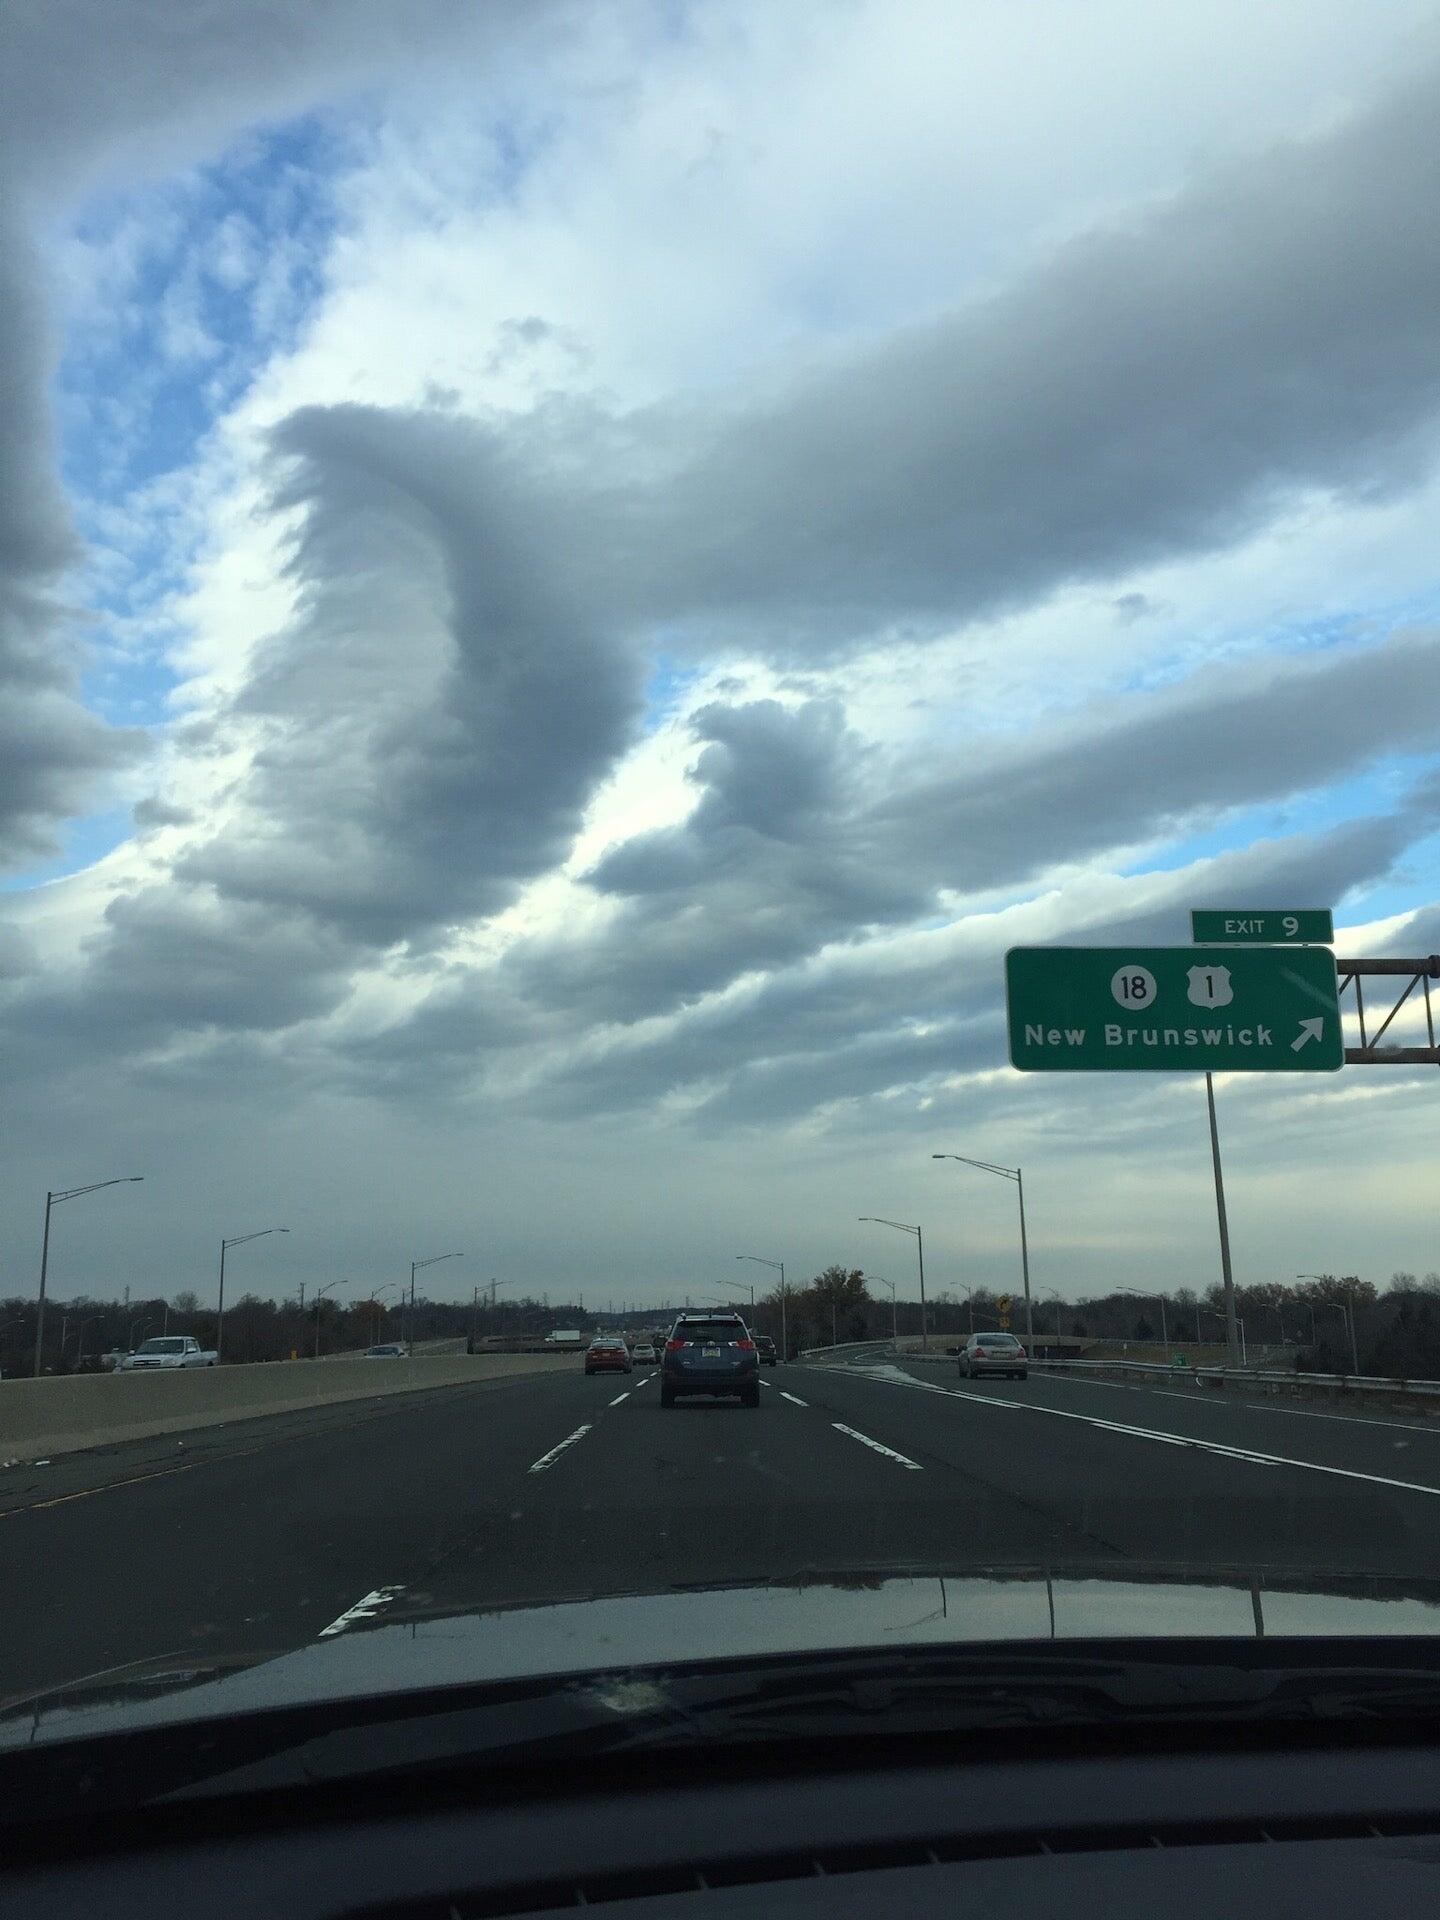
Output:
x=881 y=1281
x=320 y=1293
x=235 y=1240
x=876 y=1220
x=389 y=1287
x=1015 y=1174
x=53 y=1200
x=1051 y=1294
x=415 y=1266
x=779 y=1267
x=1164 y=1330
x=1346 y=1308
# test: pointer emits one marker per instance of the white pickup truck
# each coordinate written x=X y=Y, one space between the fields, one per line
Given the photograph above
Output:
x=167 y=1350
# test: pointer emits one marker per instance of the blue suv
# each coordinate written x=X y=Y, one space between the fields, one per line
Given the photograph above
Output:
x=710 y=1353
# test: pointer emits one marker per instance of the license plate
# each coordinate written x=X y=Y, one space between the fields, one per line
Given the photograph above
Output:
x=710 y=1353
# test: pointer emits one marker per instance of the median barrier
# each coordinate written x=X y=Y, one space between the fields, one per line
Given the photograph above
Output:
x=39 y=1418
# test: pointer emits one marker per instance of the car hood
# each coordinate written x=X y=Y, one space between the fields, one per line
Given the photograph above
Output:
x=422 y=1650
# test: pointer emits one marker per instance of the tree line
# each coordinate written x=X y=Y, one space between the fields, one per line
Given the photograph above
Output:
x=1396 y=1329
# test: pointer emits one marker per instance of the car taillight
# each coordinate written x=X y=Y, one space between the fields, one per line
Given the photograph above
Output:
x=1020 y=1351
x=746 y=1346
x=673 y=1346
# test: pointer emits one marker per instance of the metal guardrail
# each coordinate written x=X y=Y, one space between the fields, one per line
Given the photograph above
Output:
x=1256 y=1376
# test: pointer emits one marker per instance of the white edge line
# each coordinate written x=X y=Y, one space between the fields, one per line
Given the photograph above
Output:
x=1253 y=1455
x=363 y=1609
x=548 y=1459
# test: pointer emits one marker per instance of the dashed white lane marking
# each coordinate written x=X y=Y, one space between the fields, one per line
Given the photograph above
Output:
x=618 y=1398
x=365 y=1609
x=549 y=1459
x=1249 y=1454
x=889 y=1452
x=793 y=1399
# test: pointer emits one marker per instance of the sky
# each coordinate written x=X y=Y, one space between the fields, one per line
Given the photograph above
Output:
x=573 y=576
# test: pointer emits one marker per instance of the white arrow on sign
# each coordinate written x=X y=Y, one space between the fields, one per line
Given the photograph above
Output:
x=1309 y=1030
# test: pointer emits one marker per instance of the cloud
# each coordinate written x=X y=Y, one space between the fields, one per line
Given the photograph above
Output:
x=436 y=716
x=53 y=753
x=1160 y=387
x=804 y=836
x=921 y=1005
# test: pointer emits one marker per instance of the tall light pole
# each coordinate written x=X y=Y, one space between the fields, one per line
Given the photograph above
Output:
x=236 y=1240
x=1347 y=1308
x=1051 y=1294
x=779 y=1267
x=880 y=1280
x=1164 y=1330
x=53 y=1200
x=875 y=1220
x=415 y=1266
x=320 y=1293
x=1015 y=1174
x=389 y=1287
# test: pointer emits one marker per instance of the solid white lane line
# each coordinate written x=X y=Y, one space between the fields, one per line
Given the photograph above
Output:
x=621 y=1396
x=365 y=1609
x=794 y=1400
x=1199 y=1398
x=549 y=1459
x=1250 y=1454
x=866 y=1441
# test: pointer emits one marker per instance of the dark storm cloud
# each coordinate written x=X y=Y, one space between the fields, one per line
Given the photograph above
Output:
x=442 y=707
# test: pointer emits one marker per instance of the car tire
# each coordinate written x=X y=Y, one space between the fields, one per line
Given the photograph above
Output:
x=667 y=1398
x=752 y=1395
x=1022 y=1376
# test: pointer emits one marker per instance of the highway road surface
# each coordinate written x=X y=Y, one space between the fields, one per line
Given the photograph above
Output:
x=269 y=1533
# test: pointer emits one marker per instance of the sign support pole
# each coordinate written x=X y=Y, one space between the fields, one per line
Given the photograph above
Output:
x=1232 y=1330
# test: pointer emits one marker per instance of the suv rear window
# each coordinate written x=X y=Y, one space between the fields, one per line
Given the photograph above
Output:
x=711 y=1330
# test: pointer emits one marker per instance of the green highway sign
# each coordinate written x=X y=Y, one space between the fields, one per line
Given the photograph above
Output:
x=1173 y=1009
x=1267 y=927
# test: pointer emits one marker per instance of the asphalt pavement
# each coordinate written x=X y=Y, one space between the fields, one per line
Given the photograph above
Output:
x=263 y=1535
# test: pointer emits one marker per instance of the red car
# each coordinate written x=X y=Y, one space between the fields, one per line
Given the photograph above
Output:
x=607 y=1356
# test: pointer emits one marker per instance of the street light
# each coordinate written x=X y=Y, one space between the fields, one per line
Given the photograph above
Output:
x=1220 y=1315
x=53 y=1200
x=389 y=1287
x=1015 y=1174
x=881 y=1281
x=320 y=1293
x=876 y=1220
x=1053 y=1295
x=1164 y=1330
x=235 y=1240
x=415 y=1266
x=1345 y=1307
x=495 y=1286
x=779 y=1267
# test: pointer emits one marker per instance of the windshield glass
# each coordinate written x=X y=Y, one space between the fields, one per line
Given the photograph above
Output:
x=629 y=632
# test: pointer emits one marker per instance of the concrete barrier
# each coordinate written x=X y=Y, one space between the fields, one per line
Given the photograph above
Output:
x=39 y=1418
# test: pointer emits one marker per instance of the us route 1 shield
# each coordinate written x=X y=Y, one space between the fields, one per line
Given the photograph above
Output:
x=1173 y=1010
